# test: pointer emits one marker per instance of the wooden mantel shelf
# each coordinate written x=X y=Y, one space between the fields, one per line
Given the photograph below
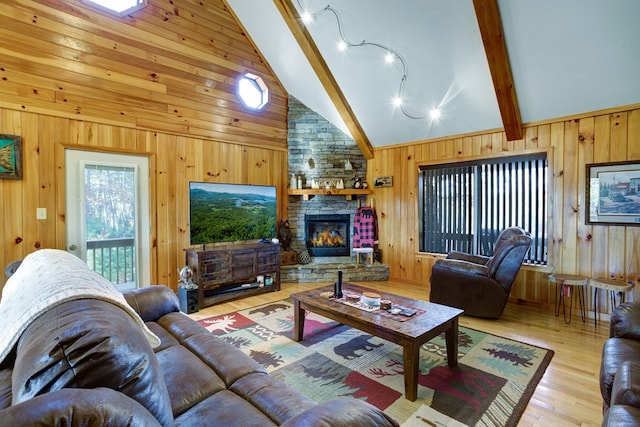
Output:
x=348 y=193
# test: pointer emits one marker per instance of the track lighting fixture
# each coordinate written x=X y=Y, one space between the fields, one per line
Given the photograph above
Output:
x=390 y=56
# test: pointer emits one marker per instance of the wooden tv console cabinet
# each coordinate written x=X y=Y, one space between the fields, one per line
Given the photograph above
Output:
x=228 y=272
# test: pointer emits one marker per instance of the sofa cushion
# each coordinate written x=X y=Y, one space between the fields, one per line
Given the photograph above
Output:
x=188 y=379
x=224 y=409
x=274 y=398
x=87 y=344
x=352 y=412
x=181 y=326
x=226 y=360
x=166 y=339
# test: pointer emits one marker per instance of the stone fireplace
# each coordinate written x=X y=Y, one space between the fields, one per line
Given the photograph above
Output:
x=328 y=235
x=325 y=264
x=317 y=209
x=317 y=150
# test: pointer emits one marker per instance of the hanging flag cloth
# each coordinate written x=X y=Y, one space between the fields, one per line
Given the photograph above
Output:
x=365 y=227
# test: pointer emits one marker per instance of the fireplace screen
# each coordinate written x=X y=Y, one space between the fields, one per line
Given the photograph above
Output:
x=328 y=235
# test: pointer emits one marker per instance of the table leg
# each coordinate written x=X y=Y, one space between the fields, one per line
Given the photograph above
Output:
x=582 y=300
x=451 y=337
x=612 y=299
x=567 y=288
x=596 y=307
x=298 y=316
x=411 y=365
x=560 y=301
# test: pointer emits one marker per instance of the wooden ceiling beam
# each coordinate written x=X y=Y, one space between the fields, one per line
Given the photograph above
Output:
x=303 y=37
x=495 y=48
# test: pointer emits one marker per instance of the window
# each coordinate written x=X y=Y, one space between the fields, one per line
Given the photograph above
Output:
x=252 y=91
x=117 y=7
x=464 y=206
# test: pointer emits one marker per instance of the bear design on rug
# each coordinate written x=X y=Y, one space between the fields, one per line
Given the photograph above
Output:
x=361 y=342
x=268 y=309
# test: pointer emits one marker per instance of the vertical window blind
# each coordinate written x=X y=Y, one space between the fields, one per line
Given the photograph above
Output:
x=465 y=206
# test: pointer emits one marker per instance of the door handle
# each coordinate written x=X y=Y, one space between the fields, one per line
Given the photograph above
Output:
x=73 y=247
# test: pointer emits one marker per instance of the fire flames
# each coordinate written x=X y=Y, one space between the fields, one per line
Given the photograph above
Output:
x=327 y=238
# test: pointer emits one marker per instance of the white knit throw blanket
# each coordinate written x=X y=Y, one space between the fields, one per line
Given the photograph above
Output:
x=45 y=279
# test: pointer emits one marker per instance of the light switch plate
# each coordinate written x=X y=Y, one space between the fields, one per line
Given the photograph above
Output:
x=41 y=213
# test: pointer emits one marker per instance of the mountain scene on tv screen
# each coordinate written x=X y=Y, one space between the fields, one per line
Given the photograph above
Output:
x=225 y=217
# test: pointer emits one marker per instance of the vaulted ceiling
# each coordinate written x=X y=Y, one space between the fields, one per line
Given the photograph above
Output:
x=484 y=64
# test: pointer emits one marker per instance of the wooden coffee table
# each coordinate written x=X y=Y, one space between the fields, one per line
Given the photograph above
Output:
x=410 y=334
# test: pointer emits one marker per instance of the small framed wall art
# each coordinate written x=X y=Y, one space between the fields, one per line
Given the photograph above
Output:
x=613 y=193
x=10 y=157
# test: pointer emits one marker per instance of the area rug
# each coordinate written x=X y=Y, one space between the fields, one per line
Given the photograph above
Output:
x=491 y=386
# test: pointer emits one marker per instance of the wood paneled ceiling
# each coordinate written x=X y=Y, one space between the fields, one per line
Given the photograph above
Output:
x=486 y=64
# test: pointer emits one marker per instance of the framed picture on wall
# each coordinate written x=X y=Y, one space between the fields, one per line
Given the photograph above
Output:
x=613 y=193
x=10 y=157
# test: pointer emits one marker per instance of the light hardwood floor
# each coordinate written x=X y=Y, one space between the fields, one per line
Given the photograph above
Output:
x=568 y=394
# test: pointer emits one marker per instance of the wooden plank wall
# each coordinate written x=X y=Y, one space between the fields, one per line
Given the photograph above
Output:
x=159 y=83
x=575 y=246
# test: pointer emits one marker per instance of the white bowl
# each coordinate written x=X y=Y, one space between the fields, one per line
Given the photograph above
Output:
x=370 y=298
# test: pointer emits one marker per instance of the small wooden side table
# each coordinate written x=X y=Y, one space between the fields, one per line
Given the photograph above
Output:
x=566 y=285
x=614 y=287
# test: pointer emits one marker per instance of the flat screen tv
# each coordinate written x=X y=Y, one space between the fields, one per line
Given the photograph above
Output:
x=231 y=212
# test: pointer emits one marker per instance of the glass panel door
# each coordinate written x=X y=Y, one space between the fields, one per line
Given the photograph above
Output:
x=105 y=213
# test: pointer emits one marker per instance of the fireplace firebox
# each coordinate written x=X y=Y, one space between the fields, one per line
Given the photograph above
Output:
x=328 y=235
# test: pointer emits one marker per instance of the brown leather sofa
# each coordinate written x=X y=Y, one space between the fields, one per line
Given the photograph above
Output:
x=620 y=368
x=480 y=285
x=86 y=362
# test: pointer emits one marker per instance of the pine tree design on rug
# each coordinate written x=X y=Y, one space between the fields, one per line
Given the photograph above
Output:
x=492 y=384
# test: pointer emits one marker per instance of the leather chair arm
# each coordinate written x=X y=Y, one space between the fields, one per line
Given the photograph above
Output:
x=343 y=412
x=476 y=259
x=153 y=302
x=626 y=385
x=625 y=321
x=460 y=266
x=75 y=407
x=621 y=416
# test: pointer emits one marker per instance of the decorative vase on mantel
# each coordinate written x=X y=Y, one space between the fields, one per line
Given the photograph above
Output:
x=304 y=257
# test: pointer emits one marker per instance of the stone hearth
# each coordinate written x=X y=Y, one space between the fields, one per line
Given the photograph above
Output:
x=328 y=272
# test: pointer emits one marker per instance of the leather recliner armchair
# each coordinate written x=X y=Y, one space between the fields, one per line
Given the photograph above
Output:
x=480 y=285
